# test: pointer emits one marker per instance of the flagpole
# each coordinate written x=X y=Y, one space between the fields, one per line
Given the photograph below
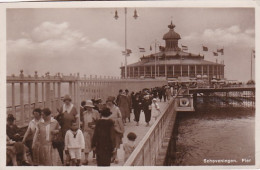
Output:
x=125 y=45
x=251 y=66
x=155 y=75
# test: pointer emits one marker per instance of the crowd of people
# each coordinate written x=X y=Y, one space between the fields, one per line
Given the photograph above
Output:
x=98 y=128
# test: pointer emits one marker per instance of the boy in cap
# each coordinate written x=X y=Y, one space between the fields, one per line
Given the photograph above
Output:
x=129 y=146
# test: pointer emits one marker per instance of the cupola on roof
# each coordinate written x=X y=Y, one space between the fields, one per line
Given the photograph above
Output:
x=171 y=34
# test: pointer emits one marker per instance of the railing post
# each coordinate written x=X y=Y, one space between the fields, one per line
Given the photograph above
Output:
x=35 y=90
x=29 y=100
x=43 y=103
x=70 y=89
x=53 y=99
x=22 y=99
x=13 y=99
x=59 y=94
x=77 y=92
x=36 y=94
x=48 y=95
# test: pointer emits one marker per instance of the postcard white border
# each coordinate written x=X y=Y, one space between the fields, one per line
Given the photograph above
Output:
x=110 y=4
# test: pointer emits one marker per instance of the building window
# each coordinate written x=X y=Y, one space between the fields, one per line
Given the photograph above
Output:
x=198 y=70
x=177 y=70
x=215 y=70
x=185 y=71
x=205 y=70
x=210 y=71
x=192 y=71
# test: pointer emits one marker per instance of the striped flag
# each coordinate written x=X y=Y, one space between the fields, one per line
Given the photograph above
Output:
x=215 y=53
x=126 y=53
x=204 y=48
x=184 y=47
x=142 y=50
x=221 y=51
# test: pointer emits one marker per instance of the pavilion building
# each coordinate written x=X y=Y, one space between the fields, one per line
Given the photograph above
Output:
x=172 y=62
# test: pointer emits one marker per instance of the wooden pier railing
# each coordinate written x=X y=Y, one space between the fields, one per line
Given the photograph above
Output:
x=48 y=90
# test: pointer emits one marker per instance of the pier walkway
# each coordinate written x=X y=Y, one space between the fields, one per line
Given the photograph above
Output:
x=24 y=93
x=140 y=131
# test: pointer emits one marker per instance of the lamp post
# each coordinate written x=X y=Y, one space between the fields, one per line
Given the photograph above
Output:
x=156 y=43
x=126 y=53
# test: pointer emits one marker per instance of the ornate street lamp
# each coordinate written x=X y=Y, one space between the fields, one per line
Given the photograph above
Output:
x=126 y=53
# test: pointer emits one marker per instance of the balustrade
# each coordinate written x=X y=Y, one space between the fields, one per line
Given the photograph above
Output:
x=48 y=91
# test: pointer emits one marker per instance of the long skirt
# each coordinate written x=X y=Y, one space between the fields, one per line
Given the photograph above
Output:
x=48 y=155
x=36 y=154
x=125 y=111
x=118 y=139
x=88 y=135
x=103 y=158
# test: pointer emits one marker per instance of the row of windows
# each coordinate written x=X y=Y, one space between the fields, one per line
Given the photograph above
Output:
x=211 y=70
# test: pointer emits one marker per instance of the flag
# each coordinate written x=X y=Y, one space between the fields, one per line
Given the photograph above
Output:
x=128 y=51
x=141 y=50
x=205 y=48
x=221 y=51
x=161 y=48
x=215 y=54
x=151 y=48
x=254 y=53
x=184 y=47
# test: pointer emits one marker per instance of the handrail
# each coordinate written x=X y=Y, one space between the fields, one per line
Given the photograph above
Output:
x=140 y=147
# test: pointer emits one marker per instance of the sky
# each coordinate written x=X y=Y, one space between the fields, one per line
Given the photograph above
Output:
x=90 y=41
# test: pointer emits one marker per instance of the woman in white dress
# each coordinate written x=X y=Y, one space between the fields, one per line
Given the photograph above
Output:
x=155 y=109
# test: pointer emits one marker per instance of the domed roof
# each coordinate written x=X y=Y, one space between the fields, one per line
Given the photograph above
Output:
x=171 y=34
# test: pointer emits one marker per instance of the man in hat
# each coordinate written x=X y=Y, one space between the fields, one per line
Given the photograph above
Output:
x=119 y=94
x=123 y=105
x=90 y=117
x=147 y=108
x=103 y=141
x=129 y=100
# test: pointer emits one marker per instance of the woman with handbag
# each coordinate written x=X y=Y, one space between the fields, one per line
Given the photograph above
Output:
x=28 y=136
x=118 y=127
x=90 y=116
x=67 y=114
x=44 y=136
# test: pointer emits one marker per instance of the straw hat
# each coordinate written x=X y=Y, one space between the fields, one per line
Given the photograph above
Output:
x=110 y=99
x=89 y=103
x=66 y=97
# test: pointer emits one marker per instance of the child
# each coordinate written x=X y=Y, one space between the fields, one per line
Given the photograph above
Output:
x=129 y=146
x=74 y=143
x=155 y=109
x=16 y=153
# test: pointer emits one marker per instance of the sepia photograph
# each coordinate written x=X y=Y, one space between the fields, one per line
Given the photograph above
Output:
x=130 y=85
